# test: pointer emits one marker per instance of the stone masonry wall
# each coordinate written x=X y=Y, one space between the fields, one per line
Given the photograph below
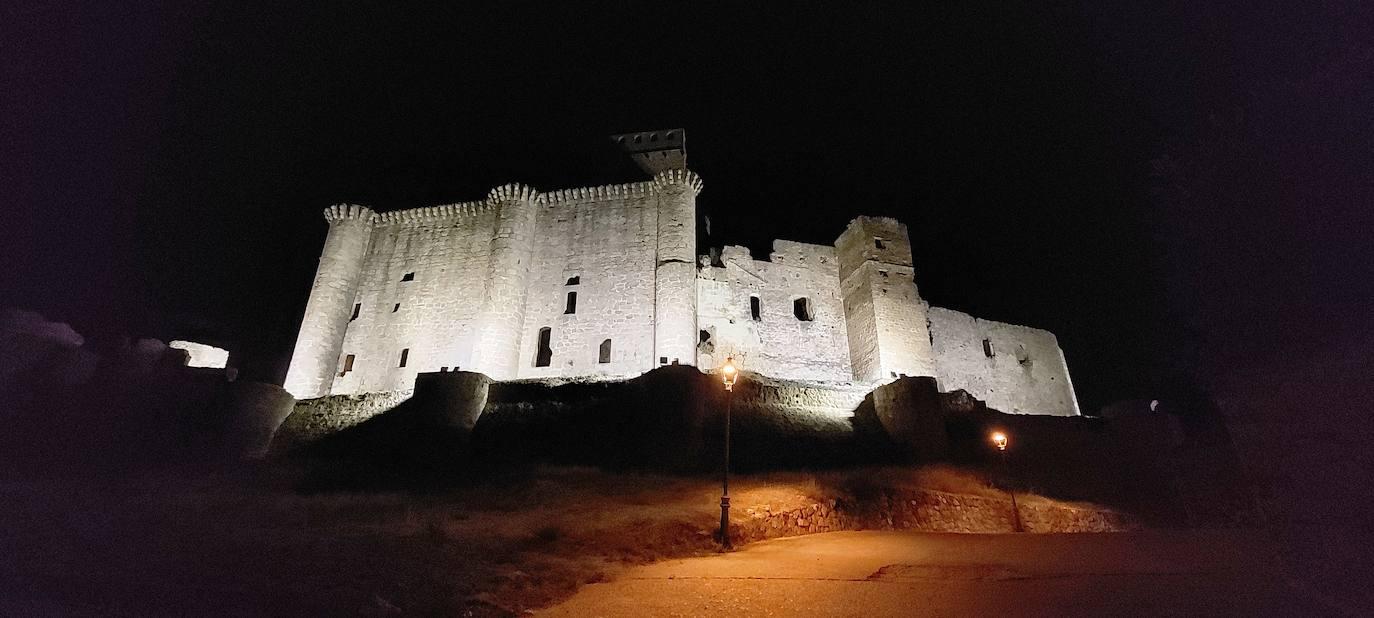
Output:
x=1025 y=374
x=923 y=510
x=884 y=311
x=317 y=418
x=777 y=344
x=433 y=314
x=606 y=240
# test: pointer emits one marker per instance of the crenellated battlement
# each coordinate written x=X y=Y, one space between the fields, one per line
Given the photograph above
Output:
x=668 y=179
x=597 y=193
x=513 y=192
x=444 y=211
x=341 y=212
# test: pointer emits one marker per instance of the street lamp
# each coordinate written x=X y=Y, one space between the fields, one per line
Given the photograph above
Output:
x=1000 y=439
x=728 y=374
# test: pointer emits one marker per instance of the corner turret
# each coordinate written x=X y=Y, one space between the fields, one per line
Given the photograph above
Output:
x=315 y=360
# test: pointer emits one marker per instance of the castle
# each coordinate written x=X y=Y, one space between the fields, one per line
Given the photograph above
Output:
x=606 y=282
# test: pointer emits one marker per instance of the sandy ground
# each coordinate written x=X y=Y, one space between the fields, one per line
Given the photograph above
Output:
x=188 y=543
x=1172 y=573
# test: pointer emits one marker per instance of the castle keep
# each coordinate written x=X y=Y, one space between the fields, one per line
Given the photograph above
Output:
x=606 y=282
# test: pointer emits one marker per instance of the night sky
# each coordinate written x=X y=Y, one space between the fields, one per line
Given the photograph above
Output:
x=1180 y=191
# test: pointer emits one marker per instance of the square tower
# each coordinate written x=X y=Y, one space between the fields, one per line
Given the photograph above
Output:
x=889 y=336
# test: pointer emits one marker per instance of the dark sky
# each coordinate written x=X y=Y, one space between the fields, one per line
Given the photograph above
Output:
x=1183 y=188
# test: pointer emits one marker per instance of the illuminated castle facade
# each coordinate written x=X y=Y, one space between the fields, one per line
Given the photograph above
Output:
x=606 y=282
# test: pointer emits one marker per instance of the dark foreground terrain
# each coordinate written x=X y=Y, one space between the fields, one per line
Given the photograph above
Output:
x=251 y=543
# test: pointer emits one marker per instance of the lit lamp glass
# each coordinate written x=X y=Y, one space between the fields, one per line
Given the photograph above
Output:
x=729 y=374
x=1000 y=439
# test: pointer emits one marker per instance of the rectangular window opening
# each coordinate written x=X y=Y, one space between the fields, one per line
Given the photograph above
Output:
x=574 y=280
x=878 y=243
x=544 y=356
x=408 y=277
x=755 y=308
x=357 y=308
x=801 y=308
x=987 y=348
x=604 y=355
x=396 y=307
x=663 y=360
x=405 y=356
x=572 y=304
x=347 y=365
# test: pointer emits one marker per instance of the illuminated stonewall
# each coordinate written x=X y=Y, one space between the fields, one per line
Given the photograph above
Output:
x=606 y=282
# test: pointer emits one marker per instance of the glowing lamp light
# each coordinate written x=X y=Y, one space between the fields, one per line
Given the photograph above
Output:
x=729 y=374
x=1000 y=439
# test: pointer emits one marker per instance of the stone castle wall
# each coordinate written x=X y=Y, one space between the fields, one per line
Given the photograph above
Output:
x=1020 y=371
x=778 y=343
x=434 y=313
x=886 y=316
x=604 y=282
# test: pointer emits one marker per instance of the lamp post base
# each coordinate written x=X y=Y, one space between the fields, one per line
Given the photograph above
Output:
x=725 y=522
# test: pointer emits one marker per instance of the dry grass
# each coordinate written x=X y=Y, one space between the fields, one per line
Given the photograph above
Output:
x=217 y=544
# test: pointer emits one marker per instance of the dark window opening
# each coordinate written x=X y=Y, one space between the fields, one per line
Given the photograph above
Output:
x=347 y=365
x=663 y=360
x=755 y=308
x=705 y=345
x=544 y=356
x=575 y=279
x=883 y=273
x=987 y=348
x=572 y=303
x=357 y=308
x=396 y=307
x=878 y=243
x=802 y=309
x=408 y=277
x=604 y=355
x=405 y=355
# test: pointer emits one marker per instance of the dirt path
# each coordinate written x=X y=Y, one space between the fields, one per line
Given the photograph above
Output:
x=906 y=573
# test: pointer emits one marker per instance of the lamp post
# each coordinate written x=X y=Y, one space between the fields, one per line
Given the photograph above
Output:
x=1000 y=439
x=728 y=374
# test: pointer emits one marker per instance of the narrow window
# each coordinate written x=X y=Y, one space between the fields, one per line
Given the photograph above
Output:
x=604 y=356
x=357 y=308
x=405 y=355
x=575 y=279
x=544 y=356
x=878 y=243
x=987 y=348
x=755 y=308
x=883 y=273
x=572 y=304
x=347 y=365
x=396 y=307
x=802 y=309
x=408 y=277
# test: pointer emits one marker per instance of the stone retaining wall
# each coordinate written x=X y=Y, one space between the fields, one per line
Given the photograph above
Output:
x=313 y=419
x=924 y=510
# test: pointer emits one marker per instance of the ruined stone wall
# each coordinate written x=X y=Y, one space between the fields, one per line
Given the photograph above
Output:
x=1021 y=370
x=604 y=239
x=444 y=252
x=884 y=311
x=777 y=343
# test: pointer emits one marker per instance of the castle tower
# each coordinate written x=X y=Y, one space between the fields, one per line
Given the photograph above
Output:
x=496 y=351
x=675 y=277
x=315 y=360
x=888 y=332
